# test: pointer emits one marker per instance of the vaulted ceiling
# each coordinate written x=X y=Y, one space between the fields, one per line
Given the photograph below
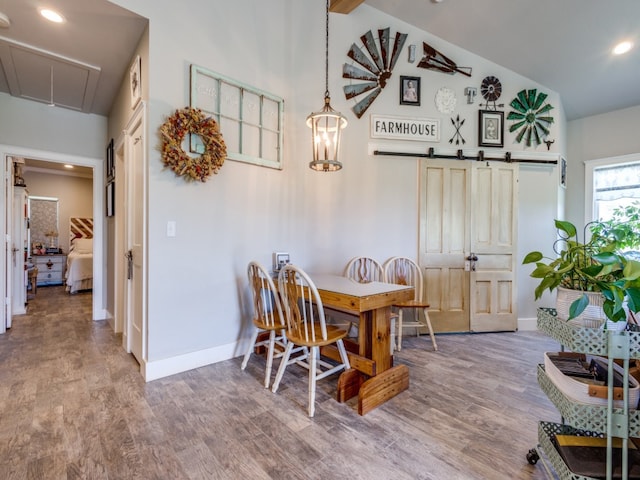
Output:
x=564 y=45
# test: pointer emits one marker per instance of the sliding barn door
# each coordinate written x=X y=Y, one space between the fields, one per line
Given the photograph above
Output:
x=494 y=190
x=444 y=242
x=468 y=213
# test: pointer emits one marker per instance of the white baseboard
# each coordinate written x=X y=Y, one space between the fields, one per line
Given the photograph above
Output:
x=170 y=366
x=528 y=324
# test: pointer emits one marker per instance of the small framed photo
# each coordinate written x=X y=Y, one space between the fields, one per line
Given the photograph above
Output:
x=490 y=128
x=134 y=81
x=110 y=164
x=110 y=199
x=410 y=91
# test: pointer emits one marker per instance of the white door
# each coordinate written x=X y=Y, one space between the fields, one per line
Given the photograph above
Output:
x=467 y=244
x=8 y=244
x=135 y=208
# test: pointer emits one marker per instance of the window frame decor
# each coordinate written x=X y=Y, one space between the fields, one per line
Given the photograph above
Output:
x=485 y=140
x=252 y=130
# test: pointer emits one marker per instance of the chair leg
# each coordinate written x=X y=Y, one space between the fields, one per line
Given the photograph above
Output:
x=313 y=357
x=343 y=354
x=250 y=350
x=433 y=337
x=283 y=365
x=272 y=343
x=399 y=329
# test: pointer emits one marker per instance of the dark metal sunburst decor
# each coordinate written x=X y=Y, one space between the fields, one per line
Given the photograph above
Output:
x=531 y=117
x=491 y=89
x=377 y=67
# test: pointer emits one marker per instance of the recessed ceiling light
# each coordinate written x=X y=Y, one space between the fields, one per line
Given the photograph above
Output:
x=68 y=166
x=4 y=21
x=622 y=47
x=51 y=15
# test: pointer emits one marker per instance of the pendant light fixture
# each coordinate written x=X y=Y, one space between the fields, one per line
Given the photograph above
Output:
x=326 y=125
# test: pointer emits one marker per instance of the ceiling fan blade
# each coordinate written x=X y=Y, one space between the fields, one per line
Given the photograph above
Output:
x=358 y=55
x=351 y=71
x=351 y=91
x=360 y=107
x=372 y=48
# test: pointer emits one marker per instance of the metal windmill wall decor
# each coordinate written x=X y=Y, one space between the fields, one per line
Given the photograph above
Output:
x=435 y=60
x=531 y=116
x=491 y=89
x=377 y=65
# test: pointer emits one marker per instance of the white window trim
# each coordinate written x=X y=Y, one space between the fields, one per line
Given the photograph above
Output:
x=589 y=167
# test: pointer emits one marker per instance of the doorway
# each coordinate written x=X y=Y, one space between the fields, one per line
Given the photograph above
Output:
x=6 y=154
x=468 y=232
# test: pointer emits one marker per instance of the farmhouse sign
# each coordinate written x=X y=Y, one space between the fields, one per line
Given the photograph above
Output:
x=405 y=128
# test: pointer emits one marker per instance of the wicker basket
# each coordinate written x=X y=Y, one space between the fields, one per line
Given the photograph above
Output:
x=593 y=316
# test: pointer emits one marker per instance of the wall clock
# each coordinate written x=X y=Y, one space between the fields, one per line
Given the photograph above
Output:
x=531 y=117
x=375 y=62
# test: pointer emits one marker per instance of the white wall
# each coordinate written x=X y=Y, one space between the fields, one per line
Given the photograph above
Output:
x=37 y=126
x=197 y=298
x=601 y=136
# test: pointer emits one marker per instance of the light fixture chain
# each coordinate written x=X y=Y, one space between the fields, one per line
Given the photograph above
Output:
x=326 y=53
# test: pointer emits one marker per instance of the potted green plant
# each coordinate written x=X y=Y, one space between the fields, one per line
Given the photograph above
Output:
x=599 y=264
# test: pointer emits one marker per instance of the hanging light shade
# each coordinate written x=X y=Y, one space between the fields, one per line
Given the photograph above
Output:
x=326 y=125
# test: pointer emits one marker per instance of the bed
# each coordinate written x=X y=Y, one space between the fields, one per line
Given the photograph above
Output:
x=79 y=271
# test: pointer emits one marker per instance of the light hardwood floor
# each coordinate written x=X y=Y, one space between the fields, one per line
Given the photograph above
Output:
x=73 y=406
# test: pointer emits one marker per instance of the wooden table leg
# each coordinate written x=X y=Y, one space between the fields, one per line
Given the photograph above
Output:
x=349 y=384
x=377 y=390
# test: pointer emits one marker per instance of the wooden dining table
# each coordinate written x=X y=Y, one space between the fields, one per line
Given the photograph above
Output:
x=372 y=377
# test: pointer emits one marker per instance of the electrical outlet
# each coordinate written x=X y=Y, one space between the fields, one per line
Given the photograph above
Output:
x=280 y=259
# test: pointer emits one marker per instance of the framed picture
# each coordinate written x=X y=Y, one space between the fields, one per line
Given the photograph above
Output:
x=410 y=91
x=490 y=128
x=134 y=81
x=110 y=200
x=110 y=164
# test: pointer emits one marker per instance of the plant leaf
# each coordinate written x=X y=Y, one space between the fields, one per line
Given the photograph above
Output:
x=578 y=306
x=567 y=227
x=532 y=257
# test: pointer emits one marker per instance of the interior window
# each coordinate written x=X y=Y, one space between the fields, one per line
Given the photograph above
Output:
x=614 y=187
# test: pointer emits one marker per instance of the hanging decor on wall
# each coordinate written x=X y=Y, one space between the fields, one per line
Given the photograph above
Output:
x=192 y=121
x=434 y=60
x=457 y=137
x=491 y=89
x=378 y=65
x=531 y=117
x=446 y=100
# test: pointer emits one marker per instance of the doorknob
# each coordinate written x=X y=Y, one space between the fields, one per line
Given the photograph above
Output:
x=472 y=258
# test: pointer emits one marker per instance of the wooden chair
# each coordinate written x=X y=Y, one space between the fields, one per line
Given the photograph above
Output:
x=404 y=271
x=306 y=327
x=365 y=270
x=267 y=317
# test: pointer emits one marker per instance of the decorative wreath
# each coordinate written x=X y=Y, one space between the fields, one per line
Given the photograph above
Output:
x=192 y=120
